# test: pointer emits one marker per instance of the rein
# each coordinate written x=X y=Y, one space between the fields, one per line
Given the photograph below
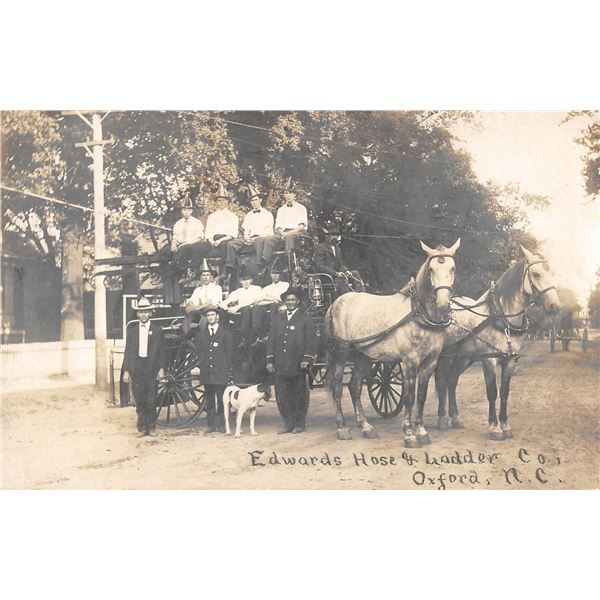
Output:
x=418 y=310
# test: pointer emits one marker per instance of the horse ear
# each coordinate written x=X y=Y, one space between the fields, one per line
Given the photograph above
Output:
x=454 y=247
x=429 y=251
x=530 y=256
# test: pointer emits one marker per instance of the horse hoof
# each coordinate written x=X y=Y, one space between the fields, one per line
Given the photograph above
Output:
x=457 y=424
x=497 y=436
x=507 y=434
x=423 y=440
x=411 y=442
x=370 y=434
x=443 y=423
x=344 y=433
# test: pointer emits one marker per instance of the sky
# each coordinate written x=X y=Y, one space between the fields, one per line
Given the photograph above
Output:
x=537 y=151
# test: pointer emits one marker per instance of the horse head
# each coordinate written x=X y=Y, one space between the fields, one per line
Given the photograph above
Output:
x=440 y=269
x=538 y=282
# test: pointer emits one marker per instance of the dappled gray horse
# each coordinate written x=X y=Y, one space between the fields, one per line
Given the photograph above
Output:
x=492 y=329
x=407 y=326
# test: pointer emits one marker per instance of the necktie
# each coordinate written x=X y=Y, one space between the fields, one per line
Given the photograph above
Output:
x=212 y=332
x=256 y=211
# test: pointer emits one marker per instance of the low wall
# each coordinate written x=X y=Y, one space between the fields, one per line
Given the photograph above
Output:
x=49 y=359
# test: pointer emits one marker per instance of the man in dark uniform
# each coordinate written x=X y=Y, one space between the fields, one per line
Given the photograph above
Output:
x=291 y=350
x=328 y=259
x=144 y=363
x=214 y=344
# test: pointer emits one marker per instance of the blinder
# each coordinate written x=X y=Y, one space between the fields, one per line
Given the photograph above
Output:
x=534 y=290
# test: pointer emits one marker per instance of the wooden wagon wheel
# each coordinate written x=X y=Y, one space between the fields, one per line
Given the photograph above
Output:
x=385 y=386
x=180 y=396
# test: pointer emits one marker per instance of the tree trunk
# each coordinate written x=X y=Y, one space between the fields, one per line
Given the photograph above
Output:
x=72 y=288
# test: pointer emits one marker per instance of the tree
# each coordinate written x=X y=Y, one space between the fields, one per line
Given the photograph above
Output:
x=594 y=302
x=590 y=139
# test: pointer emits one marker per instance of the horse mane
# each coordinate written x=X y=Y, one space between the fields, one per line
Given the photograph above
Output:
x=511 y=281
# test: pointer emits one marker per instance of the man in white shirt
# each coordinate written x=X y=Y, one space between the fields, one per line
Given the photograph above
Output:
x=270 y=302
x=240 y=301
x=292 y=218
x=188 y=243
x=208 y=294
x=222 y=226
x=258 y=231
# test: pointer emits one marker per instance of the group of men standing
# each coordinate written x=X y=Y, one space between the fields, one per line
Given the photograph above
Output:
x=291 y=350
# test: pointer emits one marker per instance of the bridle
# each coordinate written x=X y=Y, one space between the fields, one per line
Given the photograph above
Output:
x=419 y=307
x=436 y=289
x=535 y=293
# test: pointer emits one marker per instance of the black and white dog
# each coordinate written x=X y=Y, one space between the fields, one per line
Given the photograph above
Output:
x=241 y=400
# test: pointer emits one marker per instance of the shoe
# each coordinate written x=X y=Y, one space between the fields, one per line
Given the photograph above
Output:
x=152 y=433
x=141 y=434
x=298 y=430
x=211 y=429
x=284 y=431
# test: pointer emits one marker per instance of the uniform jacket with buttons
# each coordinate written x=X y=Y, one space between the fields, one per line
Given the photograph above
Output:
x=291 y=342
x=157 y=351
x=215 y=355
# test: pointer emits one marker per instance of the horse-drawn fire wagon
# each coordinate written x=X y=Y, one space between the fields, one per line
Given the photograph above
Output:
x=180 y=395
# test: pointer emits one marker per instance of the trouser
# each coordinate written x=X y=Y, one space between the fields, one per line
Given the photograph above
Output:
x=263 y=246
x=213 y=392
x=246 y=328
x=292 y=399
x=192 y=253
x=289 y=239
x=143 y=387
x=220 y=251
x=262 y=317
x=189 y=319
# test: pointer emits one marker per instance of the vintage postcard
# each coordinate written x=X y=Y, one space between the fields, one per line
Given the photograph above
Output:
x=300 y=300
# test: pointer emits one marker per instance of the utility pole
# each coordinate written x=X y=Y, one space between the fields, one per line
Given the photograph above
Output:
x=97 y=154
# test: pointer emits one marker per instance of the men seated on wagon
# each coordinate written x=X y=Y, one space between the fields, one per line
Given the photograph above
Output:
x=292 y=218
x=328 y=259
x=240 y=301
x=257 y=231
x=188 y=245
x=222 y=226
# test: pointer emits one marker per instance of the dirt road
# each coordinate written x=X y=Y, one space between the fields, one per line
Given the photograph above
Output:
x=68 y=438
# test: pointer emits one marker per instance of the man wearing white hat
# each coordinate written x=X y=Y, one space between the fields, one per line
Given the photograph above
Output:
x=188 y=243
x=258 y=231
x=207 y=294
x=222 y=226
x=144 y=363
x=240 y=302
x=292 y=218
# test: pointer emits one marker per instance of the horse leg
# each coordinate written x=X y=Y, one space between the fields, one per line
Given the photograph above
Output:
x=425 y=371
x=408 y=400
x=441 y=377
x=459 y=366
x=508 y=368
x=489 y=372
x=362 y=365
x=335 y=373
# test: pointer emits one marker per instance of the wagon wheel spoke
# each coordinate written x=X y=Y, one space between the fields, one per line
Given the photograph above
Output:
x=183 y=402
